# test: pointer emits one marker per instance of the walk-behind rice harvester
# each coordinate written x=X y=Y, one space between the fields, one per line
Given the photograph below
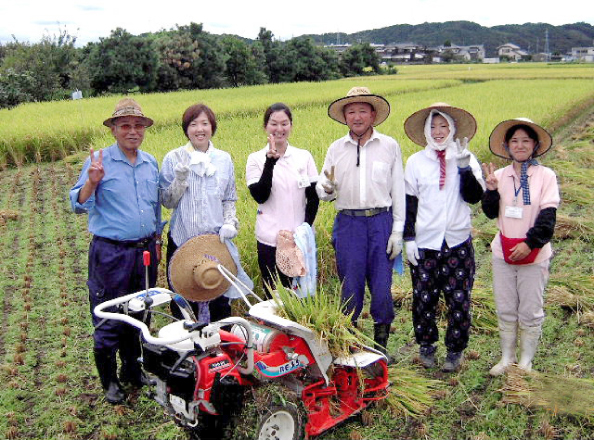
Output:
x=263 y=377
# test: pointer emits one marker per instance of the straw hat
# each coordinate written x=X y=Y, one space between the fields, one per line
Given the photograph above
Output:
x=414 y=126
x=360 y=95
x=289 y=258
x=497 y=138
x=127 y=107
x=193 y=271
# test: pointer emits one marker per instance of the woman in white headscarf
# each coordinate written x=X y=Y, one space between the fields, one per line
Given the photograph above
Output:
x=198 y=182
x=440 y=182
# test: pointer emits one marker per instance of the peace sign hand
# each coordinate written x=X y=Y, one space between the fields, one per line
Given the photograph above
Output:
x=490 y=178
x=272 y=152
x=96 y=172
x=329 y=184
x=462 y=153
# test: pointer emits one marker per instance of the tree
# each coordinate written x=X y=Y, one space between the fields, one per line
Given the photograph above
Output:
x=190 y=58
x=308 y=62
x=123 y=62
x=357 y=58
x=241 y=66
x=41 y=71
x=272 y=55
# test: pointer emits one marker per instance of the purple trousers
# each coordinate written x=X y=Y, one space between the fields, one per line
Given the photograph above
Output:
x=360 y=243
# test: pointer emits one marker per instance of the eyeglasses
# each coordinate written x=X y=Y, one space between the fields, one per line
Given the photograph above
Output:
x=128 y=127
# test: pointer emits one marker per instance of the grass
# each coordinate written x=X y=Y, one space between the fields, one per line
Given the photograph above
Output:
x=50 y=387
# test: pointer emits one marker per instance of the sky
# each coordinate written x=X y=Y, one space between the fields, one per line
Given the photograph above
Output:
x=30 y=20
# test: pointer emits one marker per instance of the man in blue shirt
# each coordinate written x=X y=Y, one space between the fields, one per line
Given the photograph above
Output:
x=119 y=189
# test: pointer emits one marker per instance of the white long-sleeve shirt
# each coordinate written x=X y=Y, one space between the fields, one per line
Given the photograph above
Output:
x=377 y=182
x=442 y=214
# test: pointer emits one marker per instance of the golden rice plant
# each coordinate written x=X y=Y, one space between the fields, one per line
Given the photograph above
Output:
x=559 y=395
x=569 y=227
x=574 y=292
x=587 y=319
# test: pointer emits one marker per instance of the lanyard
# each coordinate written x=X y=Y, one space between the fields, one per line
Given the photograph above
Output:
x=516 y=191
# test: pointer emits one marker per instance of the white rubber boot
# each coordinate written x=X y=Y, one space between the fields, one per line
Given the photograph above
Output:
x=507 y=335
x=529 y=336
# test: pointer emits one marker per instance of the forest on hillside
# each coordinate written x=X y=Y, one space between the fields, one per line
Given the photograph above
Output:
x=529 y=36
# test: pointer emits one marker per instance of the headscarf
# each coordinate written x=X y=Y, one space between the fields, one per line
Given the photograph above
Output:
x=440 y=148
x=430 y=141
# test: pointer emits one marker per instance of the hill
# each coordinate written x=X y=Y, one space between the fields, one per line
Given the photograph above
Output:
x=529 y=36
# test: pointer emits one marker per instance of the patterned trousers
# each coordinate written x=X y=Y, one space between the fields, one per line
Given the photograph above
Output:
x=451 y=271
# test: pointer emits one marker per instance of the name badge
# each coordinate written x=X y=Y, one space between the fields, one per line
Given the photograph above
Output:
x=303 y=182
x=513 y=212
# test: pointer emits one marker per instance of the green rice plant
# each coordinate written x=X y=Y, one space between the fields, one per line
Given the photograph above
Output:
x=324 y=314
x=410 y=393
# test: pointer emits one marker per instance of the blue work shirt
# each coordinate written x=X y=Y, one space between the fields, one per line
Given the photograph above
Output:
x=125 y=204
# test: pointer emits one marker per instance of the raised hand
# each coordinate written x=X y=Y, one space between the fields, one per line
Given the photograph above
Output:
x=329 y=185
x=96 y=172
x=462 y=153
x=272 y=152
x=490 y=178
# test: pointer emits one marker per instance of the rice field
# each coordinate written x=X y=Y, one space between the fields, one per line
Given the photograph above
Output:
x=50 y=387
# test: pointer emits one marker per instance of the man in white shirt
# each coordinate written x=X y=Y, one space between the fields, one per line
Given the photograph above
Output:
x=363 y=174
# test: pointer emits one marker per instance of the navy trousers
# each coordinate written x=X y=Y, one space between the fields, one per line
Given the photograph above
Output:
x=451 y=271
x=116 y=270
x=360 y=243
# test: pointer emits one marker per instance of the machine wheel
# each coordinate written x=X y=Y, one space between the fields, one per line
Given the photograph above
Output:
x=281 y=422
x=270 y=411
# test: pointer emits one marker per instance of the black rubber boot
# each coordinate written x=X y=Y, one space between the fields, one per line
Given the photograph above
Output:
x=131 y=371
x=107 y=369
x=381 y=332
x=453 y=361
x=427 y=356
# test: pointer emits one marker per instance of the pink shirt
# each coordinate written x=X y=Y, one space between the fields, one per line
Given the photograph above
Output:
x=285 y=207
x=544 y=193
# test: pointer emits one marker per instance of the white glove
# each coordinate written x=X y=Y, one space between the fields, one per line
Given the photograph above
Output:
x=412 y=252
x=394 y=244
x=181 y=172
x=227 y=231
x=462 y=153
x=329 y=184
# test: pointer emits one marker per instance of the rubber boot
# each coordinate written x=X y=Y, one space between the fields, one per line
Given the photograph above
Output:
x=381 y=333
x=453 y=361
x=508 y=334
x=427 y=356
x=529 y=336
x=131 y=371
x=107 y=369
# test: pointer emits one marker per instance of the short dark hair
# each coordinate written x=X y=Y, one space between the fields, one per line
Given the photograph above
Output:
x=277 y=107
x=194 y=112
x=529 y=131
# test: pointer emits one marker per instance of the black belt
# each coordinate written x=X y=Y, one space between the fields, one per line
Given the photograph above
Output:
x=366 y=212
x=141 y=243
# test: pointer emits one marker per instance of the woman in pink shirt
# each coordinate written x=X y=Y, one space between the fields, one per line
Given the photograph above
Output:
x=524 y=197
x=282 y=179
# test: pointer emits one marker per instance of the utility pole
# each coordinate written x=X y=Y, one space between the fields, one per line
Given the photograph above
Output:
x=547 y=50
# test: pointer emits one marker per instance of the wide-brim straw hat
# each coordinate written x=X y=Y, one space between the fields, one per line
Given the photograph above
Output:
x=414 y=126
x=360 y=95
x=193 y=270
x=127 y=107
x=497 y=138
